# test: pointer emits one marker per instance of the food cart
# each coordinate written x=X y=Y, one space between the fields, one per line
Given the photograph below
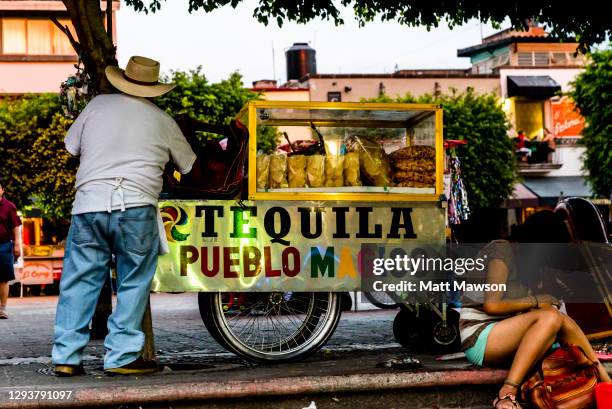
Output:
x=270 y=264
x=40 y=264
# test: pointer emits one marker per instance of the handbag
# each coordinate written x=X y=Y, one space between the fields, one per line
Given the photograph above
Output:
x=564 y=379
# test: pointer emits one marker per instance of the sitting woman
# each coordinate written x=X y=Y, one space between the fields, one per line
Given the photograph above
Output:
x=518 y=327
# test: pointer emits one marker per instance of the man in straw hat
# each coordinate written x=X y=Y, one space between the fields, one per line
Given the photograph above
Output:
x=123 y=142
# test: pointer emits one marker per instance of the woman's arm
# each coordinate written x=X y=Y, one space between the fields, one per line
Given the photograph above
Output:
x=495 y=303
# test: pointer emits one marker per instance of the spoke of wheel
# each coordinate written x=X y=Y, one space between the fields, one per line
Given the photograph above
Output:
x=303 y=324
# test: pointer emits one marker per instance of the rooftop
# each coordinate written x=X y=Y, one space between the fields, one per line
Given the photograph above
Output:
x=42 y=5
x=414 y=73
x=535 y=34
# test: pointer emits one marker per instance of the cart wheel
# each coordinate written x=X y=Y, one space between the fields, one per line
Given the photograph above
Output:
x=271 y=327
x=381 y=300
x=410 y=331
x=445 y=335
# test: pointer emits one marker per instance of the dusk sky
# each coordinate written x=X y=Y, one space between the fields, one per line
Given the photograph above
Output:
x=228 y=40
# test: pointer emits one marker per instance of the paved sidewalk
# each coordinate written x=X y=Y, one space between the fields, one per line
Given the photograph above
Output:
x=180 y=334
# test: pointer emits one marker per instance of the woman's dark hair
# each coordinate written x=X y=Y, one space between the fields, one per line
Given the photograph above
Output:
x=544 y=226
x=539 y=231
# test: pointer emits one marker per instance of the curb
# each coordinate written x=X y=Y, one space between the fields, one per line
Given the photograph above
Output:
x=148 y=394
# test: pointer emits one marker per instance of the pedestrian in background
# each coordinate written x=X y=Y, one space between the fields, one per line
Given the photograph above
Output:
x=124 y=142
x=10 y=247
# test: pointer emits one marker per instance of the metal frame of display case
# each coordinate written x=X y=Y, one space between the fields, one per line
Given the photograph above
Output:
x=248 y=113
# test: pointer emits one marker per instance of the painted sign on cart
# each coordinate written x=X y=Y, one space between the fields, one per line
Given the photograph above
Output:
x=289 y=245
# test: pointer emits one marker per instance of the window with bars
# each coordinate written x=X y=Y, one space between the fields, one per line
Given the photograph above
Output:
x=559 y=58
x=541 y=58
x=34 y=36
x=525 y=58
x=549 y=58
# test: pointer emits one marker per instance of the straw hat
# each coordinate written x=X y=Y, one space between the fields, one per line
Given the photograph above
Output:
x=140 y=78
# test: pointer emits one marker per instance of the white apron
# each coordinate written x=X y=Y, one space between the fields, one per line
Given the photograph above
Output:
x=118 y=187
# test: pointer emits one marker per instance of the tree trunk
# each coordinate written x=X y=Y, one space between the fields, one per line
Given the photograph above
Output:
x=96 y=47
x=104 y=308
x=148 y=350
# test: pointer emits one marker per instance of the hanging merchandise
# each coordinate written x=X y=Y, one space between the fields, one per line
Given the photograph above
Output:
x=76 y=92
x=458 y=207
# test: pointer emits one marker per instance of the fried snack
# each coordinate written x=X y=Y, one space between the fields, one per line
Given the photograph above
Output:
x=426 y=177
x=334 y=170
x=418 y=165
x=315 y=170
x=296 y=170
x=406 y=183
x=414 y=152
x=263 y=171
x=351 y=169
x=278 y=171
x=410 y=183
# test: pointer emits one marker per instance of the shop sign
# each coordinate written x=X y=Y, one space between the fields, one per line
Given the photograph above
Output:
x=289 y=245
x=567 y=122
x=36 y=272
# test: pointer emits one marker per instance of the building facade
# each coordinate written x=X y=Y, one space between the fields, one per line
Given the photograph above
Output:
x=35 y=56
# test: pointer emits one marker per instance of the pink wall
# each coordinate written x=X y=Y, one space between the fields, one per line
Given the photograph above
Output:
x=369 y=87
x=36 y=77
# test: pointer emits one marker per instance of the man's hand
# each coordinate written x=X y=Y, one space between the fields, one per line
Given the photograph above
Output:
x=17 y=251
x=547 y=300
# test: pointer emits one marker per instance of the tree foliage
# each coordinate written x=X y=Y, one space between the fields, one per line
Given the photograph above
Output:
x=35 y=163
x=592 y=93
x=587 y=23
x=488 y=161
x=216 y=103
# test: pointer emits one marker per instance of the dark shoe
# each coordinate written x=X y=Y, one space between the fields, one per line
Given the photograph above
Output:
x=64 y=371
x=138 y=367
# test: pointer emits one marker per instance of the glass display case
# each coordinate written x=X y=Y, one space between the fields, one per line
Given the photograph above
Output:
x=344 y=151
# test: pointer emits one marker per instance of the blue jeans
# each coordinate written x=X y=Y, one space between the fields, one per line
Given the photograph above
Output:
x=133 y=237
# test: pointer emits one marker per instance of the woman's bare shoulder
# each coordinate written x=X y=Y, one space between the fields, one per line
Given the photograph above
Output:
x=498 y=249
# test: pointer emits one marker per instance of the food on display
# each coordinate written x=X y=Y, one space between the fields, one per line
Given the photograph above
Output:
x=263 y=171
x=351 y=169
x=414 y=152
x=421 y=165
x=296 y=171
x=374 y=162
x=334 y=171
x=410 y=183
x=315 y=170
x=278 y=171
x=414 y=166
x=362 y=161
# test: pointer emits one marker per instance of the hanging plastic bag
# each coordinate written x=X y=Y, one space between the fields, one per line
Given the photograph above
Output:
x=373 y=161
x=351 y=169
x=315 y=170
x=278 y=171
x=263 y=171
x=296 y=171
x=334 y=171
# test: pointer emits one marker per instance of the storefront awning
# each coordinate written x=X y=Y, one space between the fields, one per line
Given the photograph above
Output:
x=521 y=197
x=532 y=86
x=550 y=189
